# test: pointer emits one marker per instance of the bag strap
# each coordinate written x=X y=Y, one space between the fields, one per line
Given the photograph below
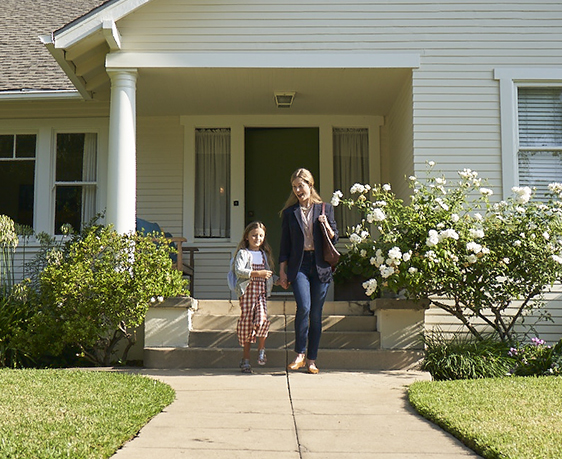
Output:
x=323 y=208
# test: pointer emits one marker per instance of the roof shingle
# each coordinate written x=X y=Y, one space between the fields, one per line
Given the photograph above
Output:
x=25 y=63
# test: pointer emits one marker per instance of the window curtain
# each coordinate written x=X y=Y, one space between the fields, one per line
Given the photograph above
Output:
x=351 y=165
x=89 y=175
x=540 y=137
x=212 y=183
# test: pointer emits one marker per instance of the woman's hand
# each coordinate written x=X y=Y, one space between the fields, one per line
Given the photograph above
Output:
x=283 y=282
x=323 y=219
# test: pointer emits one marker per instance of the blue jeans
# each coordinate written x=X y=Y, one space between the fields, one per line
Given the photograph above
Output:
x=310 y=295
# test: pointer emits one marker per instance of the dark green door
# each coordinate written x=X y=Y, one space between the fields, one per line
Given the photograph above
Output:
x=271 y=156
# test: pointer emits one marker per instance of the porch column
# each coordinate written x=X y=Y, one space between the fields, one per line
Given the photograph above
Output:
x=122 y=164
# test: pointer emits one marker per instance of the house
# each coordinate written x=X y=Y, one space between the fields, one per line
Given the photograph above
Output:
x=194 y=114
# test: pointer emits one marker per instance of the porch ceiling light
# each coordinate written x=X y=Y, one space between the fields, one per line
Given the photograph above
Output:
x=284 y=99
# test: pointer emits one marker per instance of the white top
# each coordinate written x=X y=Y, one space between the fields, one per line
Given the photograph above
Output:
x=257 y=257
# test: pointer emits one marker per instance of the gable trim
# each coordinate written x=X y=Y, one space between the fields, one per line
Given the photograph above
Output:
x=76 y=31
x=262 y=60
x=66 y=66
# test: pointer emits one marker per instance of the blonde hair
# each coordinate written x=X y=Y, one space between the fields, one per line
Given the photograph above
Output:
x=243 y=244
x=306 y=176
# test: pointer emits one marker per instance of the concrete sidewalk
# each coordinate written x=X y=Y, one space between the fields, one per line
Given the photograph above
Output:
x=269 y=414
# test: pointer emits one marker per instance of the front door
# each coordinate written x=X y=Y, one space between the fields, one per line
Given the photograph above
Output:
x=271 y=156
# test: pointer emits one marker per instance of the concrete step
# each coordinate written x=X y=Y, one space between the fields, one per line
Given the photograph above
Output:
x=337 y=359
x=207 y=322
x=231 y=307
x=201 y=321
x=282 y=340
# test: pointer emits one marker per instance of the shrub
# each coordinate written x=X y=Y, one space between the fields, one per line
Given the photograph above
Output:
x=537 y=358
x=465 y=357
x=95 y=288
x=14 y=317
x=8 y=244
x=480 y=261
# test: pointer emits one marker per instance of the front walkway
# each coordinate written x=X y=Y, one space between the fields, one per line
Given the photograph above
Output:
x=269 y=414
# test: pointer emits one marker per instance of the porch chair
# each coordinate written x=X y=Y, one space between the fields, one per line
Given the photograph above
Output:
x=186 y=266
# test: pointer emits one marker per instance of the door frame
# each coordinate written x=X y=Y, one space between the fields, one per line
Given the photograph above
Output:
x=237 y=125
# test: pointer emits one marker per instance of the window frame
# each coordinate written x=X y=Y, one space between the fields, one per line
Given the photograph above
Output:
x=207 y=238
x=62 y=183
x=510 y=79
x=15 y=132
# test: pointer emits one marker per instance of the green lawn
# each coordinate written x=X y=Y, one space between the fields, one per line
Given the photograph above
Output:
x=516 y=418
x=73 y=413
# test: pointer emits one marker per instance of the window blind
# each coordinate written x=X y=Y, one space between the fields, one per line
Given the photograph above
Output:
x=540 y=138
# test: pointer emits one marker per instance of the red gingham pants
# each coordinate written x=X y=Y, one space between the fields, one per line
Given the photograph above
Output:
x=253 y=321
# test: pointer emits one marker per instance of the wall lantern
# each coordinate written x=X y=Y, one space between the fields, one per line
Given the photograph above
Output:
x=284 y=99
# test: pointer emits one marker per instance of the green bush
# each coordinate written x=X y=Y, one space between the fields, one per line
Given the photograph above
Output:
x=95 y=288
x=464 y=357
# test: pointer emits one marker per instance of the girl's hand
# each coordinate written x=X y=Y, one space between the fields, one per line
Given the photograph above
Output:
x=263 y=273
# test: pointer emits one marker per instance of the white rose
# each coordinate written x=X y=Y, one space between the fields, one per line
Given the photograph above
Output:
x=433 y=239
x=473 y=247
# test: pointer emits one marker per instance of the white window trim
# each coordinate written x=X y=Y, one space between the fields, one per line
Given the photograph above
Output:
x=510 y=79
x=46 y=130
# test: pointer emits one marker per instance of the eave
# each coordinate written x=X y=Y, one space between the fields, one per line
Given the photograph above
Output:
x=81 y=46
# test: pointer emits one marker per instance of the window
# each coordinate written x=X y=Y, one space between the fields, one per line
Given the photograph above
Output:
x=75 y=180
x=351 y=165
x=212 y=183
x=17 y=177
x=539 y=153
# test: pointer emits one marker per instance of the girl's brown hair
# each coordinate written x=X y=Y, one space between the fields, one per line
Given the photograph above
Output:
x=306 y=176
x=265 y=245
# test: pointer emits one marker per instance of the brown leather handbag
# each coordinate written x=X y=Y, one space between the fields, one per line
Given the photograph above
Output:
x=331 y=254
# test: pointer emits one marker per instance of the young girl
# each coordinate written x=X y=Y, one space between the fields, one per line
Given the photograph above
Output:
x=254 y=281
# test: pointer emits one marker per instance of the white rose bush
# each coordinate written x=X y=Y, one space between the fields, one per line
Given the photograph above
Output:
x=481 y=261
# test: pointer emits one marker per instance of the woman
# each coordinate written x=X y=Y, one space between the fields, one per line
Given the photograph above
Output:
x=302 y=264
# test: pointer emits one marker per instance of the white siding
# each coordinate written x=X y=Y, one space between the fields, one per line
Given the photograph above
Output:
x=549 y=330
x=211 y=268
x=49 y=110
x=160 y=172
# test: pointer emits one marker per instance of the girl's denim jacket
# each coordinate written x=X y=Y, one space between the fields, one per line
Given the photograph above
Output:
x=243 y=270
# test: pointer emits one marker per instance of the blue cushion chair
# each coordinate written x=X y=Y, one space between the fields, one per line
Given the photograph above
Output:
x=186 y=266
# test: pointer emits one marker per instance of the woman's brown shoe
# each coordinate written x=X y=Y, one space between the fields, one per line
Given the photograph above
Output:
x=295 y=365
x=313 y=369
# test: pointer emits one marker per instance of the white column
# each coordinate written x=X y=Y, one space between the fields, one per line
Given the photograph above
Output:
x=122 y=164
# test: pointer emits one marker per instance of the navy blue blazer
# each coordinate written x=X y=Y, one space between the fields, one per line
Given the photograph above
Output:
x=292 y=240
